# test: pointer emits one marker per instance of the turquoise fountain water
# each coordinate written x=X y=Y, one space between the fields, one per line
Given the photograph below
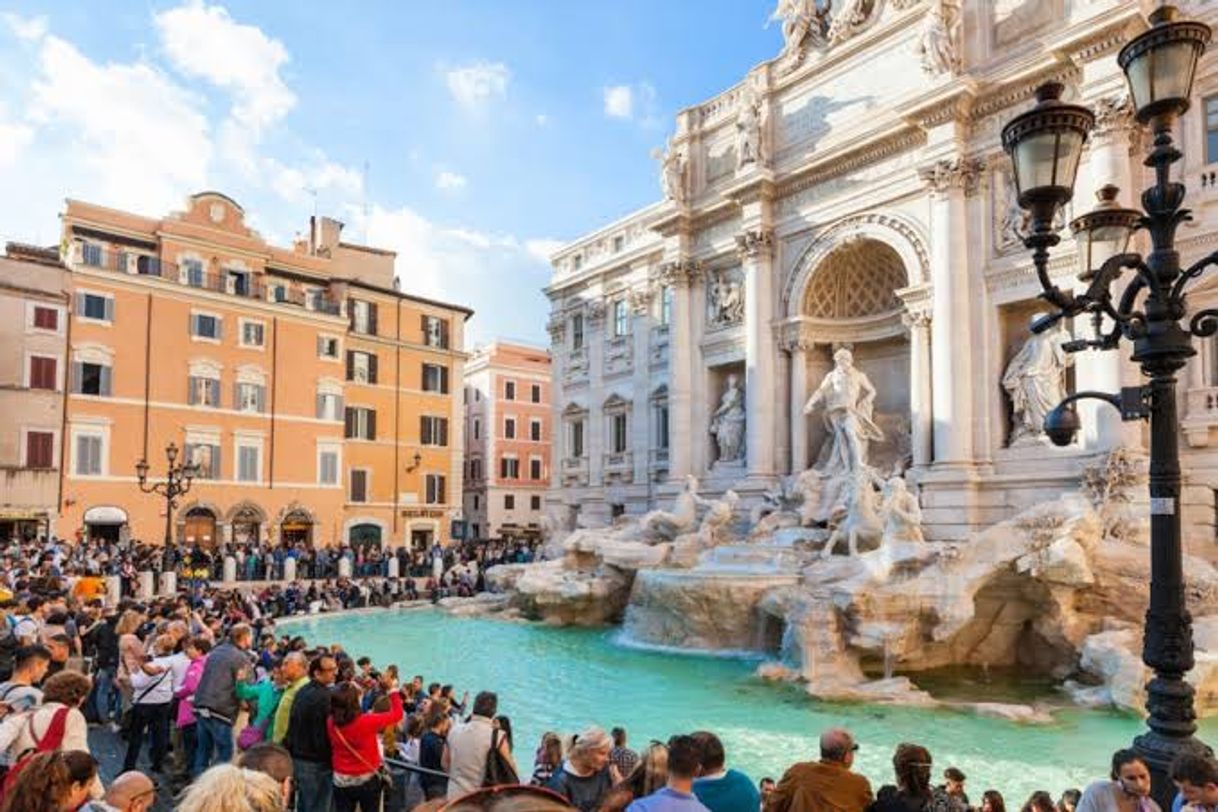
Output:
x=565 y=679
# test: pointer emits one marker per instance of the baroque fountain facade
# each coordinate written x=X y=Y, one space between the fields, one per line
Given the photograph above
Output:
x=800 y=408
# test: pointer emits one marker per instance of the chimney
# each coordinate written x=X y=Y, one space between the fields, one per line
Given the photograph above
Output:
x=324 y=234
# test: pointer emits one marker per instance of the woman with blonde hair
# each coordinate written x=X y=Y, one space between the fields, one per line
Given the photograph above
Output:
x=57 y=781
x=648 y=776
x=130 y=651
x=587 y=776
x=229 y=788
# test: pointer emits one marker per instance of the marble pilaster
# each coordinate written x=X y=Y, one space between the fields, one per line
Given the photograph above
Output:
x=951 y=358
x=679 y=275
x=756 y=249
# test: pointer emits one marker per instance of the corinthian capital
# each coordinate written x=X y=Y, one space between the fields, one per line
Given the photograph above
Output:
x=916 y=319
x=640 y=299
x=953 y=173
x=755 y=243
x=1113 y=117
x=679 y=273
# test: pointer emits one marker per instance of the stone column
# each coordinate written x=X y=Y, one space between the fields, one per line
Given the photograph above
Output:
x=146 y=585
x=797 y=350
x=169 y=583
x=344 y=567
x=920 y=406
x=230 y=569
x=1108 y=163
x=951 y=357
x=289 y=568
x=679 y=275
x=641 y=419
x=756 y=249
x=594 y=426
x=393 y=567
x=114 y=590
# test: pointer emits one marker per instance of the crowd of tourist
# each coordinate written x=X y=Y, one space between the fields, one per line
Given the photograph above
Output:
x=219 y=709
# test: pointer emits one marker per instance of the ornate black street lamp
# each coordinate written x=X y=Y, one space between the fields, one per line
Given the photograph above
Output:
x=176 y=483
x=1045 y=145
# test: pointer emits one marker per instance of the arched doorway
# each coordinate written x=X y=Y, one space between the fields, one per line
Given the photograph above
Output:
x=246 y=520
x=105 y=523
x=365 y=535
x=296 y=527
x=199 y=527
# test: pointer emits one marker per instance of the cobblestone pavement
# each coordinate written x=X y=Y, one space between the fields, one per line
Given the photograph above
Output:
x=109 y=748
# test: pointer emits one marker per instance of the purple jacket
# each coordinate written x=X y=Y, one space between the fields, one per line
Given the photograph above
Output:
x=186 y=692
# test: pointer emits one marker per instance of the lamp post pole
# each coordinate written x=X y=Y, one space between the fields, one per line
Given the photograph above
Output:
x=1045 y=145
x=178 y=479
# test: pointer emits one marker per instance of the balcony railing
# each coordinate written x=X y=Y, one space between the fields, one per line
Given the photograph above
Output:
x=246 y=285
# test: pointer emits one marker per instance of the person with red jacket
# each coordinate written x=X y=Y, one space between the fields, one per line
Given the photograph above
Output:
x=355 y=747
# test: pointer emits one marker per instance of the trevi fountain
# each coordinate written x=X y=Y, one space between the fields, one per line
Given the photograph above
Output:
x=799 y=409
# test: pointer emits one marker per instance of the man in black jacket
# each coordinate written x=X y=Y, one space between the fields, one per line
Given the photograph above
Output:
x=101 y=640
x=307 y=739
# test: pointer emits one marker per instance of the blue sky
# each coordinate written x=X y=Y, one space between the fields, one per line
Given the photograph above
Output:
x=491 y=130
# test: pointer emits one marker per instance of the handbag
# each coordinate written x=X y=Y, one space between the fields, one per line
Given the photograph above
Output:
x=382 y=772
x=127 y=722
x=251 y=735
x=499 y=770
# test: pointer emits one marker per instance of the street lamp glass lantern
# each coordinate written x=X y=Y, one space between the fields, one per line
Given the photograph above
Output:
x=1103 y=232
x=141 y=470
x=1161 y=63
x=171 y=453
x=1045 y=145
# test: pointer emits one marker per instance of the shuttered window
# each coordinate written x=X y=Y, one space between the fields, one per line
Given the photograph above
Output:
x=359 y=423
x=435 y=378
x=247 y=463
x=327 y=468
x=203 y=391
x=535 y=469
x=433 y=430
x=359 y=485
x=329 y=406
x=205 y=326
x=207 y=459
x=88 y=455
x=94 y=306
x=250 y=397
x=42 y=372
x=91 y=379
x=436 y=489
x=39 y=449
x=435 y=332
x=46 y=318
x=361 y=366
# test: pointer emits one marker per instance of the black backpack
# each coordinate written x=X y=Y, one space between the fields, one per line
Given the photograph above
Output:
x=8 y=652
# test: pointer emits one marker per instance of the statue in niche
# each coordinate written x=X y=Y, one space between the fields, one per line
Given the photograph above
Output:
x=727 y=423
x=1014 y=223
x=902 y=514
x=666 y=525
x=750 y=124
x=1035 y=380
x=939 y=45
x=673 y=167
x=724 y=299
x=803 y=22
x=848 y=399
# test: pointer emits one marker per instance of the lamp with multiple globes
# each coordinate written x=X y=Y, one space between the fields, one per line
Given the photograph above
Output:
x=1139 y=300
x=178 y=479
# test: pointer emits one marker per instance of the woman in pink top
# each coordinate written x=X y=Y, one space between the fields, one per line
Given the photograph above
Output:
x=196 y=649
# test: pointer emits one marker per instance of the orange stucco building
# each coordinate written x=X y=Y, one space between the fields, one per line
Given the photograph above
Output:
x=318 y=400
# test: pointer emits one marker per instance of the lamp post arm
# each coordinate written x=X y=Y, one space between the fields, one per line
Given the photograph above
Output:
x=1133 y=402
x=1192 y=272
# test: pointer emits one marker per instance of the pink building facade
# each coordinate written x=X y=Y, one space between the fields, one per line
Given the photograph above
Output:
x=508 y=432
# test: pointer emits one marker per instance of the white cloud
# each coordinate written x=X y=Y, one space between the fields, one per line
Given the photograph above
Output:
x=543 y=249
x=205 y=42
x=30 y=29
x=459 y=264
x=619 y=101
x=542 y=119
x=320 y=176
x=450 y=181
x=14 y=138
x=633 y=102
x=127 y=133
x=474 y=85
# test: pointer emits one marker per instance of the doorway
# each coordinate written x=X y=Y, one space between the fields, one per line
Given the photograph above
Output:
x=200 y=528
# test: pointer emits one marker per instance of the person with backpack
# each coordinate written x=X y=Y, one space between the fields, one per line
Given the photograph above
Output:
x=57 y=725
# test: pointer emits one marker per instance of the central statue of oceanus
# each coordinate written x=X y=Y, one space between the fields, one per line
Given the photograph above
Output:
x=848 y=398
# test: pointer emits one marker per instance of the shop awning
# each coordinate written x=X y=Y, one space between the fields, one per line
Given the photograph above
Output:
x=10 y=514
x=107 y=514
